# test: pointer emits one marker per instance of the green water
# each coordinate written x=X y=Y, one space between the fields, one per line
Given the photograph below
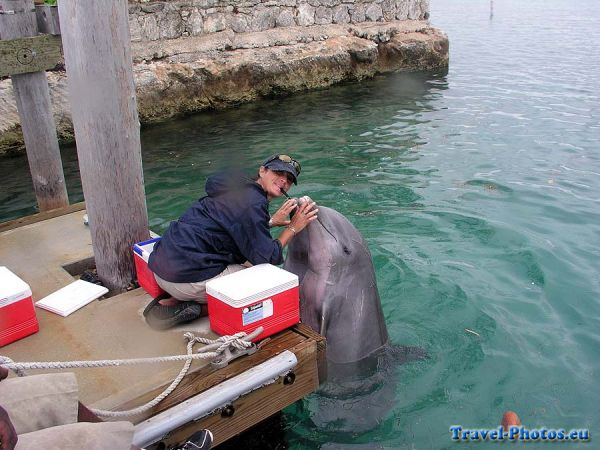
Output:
x=478 y=192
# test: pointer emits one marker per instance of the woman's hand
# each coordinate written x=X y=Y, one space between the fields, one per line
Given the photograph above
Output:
x=280 y=218
x=306 y=213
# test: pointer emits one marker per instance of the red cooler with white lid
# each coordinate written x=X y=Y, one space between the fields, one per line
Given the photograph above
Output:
x=260 y=296
x=141 y=254
x=17 y=314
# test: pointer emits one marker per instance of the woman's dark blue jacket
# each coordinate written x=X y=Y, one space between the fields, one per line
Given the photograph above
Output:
x=228 y=226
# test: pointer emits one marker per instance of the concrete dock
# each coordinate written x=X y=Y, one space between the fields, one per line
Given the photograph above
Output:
x=40 y=249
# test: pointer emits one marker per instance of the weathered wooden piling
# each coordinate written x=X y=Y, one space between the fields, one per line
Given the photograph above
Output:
x=18 y=20
x=97 y=55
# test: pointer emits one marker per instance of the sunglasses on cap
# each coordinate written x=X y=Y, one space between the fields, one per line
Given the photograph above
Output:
x=287 y=159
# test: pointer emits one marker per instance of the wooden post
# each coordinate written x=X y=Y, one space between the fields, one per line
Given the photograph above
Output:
x=47 y=19
x=96 y=46
x=18 y=19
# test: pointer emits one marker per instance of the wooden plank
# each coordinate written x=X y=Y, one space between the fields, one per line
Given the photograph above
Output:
x=207 y=377
x=29 y=54
x=39 y=217
x=97 y=49
x=32 y=97
x=260 y=404
x=309 y=333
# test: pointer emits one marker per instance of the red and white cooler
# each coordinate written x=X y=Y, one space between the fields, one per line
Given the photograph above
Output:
x=17 y=315
x=260 y=296
x=141 y=253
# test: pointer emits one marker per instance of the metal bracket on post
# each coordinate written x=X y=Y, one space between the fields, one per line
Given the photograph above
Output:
x=14 y=11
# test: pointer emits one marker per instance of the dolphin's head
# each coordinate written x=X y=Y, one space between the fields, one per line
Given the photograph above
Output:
x=329 y=241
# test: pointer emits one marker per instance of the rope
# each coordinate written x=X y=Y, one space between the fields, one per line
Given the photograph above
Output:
x=19 y=368
x=213 y=349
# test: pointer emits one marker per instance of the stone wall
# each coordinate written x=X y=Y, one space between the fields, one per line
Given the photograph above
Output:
x=156 y=20
x=196 y=55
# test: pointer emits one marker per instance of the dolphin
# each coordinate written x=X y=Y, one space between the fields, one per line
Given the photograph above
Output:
x=339 y=300
x=338 y=291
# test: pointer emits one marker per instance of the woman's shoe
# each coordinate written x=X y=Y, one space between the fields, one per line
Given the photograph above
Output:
x=162 y=317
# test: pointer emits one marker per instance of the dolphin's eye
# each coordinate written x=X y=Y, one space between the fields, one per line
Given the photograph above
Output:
x=346 y=250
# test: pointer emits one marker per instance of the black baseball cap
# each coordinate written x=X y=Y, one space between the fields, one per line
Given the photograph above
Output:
x=283 y=163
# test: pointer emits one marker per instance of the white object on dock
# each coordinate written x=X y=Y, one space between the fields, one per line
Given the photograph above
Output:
x=154 y=428
x=71 y=297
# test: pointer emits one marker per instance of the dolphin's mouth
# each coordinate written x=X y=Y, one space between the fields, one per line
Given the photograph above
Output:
x=318 y=220
x=326 y=229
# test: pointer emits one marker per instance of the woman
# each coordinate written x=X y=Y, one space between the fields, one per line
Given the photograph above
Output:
x=221 y=232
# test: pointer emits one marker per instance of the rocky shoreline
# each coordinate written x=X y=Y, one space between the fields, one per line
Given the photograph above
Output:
x=182 y=76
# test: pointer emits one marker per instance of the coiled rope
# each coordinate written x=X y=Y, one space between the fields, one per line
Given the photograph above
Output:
x=214 y=348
